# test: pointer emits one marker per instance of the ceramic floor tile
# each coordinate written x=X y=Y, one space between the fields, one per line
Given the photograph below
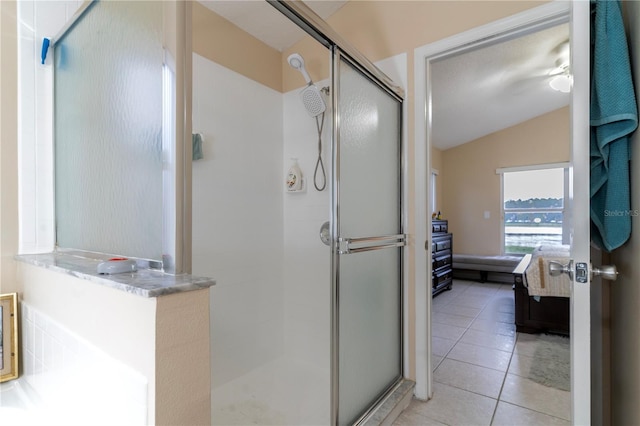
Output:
x=447 y=331
x=509 y=414
x=489 y=340
x=413 y=416
x=464 y=311
x=529 y=394
x=443 y=298
x=441 y=346
x=473 y=378
x=493 y=315
x=435 y=361
x=502 y=303
x=480 y=355
x=453 y=406
x=489 y=352
x=446 y=318
x=484 y=288
x=472 y=301
x=496 y=327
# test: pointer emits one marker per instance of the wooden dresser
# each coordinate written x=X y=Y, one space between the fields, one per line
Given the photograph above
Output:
x=441 y=261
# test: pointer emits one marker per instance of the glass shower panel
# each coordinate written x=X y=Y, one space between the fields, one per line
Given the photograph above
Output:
x=369 y=205
x=369 y=157
x=108 y=130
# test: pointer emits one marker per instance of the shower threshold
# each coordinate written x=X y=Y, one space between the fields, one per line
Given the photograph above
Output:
x=391 y=406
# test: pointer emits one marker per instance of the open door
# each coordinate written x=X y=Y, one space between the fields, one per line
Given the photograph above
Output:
x=580 y=242
x=579 y=17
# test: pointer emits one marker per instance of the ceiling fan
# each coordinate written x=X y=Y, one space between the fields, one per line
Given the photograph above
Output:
x=558 y=76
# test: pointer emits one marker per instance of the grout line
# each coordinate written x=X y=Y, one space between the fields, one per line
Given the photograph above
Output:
x=504 y=380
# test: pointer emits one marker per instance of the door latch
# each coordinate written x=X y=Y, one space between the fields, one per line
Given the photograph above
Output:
x=582 y=272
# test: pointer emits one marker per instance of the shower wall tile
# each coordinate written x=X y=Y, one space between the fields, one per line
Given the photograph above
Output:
x=74 y=382
x=237 y=216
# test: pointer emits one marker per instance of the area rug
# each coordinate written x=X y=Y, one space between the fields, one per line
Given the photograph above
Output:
x=552 y=365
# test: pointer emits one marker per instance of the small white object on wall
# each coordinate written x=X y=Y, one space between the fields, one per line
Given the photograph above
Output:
x=294 y=181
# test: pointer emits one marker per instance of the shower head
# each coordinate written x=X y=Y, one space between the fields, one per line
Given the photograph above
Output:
x=312 y=100
x=296 y=62
x=311 y=96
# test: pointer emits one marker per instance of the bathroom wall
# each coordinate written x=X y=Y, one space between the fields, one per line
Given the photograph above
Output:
x=238 y=190
x=221 y=41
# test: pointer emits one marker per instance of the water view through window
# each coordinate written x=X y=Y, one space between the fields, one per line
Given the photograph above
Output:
x=533 y=209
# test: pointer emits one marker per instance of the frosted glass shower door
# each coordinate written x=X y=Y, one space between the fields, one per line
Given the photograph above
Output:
x=370 y=240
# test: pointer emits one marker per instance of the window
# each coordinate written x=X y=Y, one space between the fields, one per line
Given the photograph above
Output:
x=533 y=202
x=109 y=131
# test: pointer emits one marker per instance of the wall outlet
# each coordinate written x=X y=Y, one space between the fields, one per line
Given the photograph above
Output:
x=487 y=214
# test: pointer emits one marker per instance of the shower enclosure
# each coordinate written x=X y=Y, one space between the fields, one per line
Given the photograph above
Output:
x=302 y=332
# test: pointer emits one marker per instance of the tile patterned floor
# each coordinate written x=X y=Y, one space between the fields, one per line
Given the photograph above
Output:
x=481 y=365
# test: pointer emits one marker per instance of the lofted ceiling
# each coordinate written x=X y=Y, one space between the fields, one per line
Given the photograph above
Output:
x=491 y=88
x=475 y=93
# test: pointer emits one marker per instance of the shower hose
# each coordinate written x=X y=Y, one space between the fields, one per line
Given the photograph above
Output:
x=319 y=164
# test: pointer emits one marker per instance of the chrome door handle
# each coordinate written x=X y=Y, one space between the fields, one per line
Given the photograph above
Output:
x=557 y=268
x=608 y=272
x=357 y=245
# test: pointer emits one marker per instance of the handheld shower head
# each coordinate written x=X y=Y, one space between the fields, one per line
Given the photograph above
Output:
x=296 y=62
x=311 y=96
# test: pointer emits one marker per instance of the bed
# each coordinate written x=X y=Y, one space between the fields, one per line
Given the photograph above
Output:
x=542 y=301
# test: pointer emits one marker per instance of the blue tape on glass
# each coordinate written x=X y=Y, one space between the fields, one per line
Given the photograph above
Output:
x=45 y=49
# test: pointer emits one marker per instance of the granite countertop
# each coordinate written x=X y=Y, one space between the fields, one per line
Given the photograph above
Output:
x=143 y=282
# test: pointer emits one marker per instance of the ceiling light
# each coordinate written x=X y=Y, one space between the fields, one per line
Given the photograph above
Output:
x=561 y=83
x=562 y=80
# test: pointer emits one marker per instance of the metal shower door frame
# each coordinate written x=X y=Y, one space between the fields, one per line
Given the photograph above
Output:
x=343 y=246
x=316 y=27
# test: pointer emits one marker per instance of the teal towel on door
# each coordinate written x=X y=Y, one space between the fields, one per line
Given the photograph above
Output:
x=196 y=140
x=613 y=117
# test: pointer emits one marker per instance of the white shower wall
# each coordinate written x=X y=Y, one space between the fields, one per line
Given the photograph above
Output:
x=271 y=306
x=271 y=303
x=307 y=260
x=237 y=216
x=259 y=242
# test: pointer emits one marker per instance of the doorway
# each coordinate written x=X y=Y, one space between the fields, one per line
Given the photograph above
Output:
x=543 y=17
